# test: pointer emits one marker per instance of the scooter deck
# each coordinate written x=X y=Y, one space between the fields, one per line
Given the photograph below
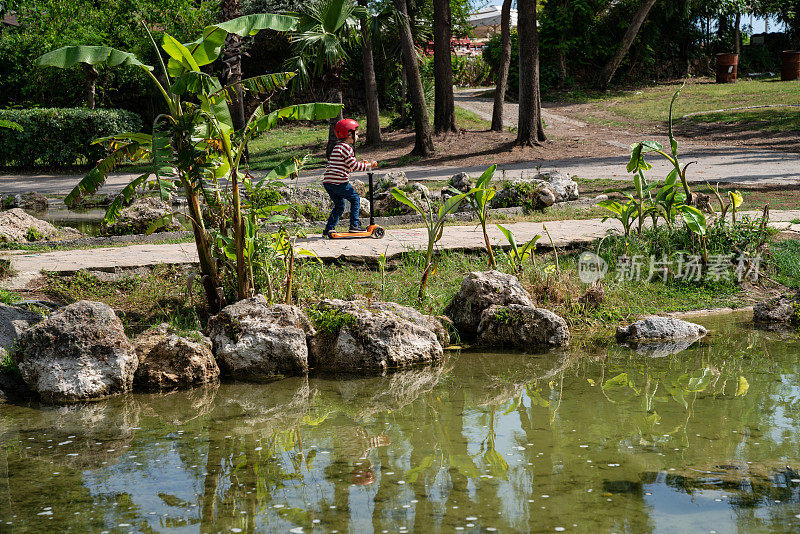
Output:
x=373 y=231
x=350 y=235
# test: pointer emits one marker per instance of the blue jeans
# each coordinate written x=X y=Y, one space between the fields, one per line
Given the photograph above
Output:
x=339 y=193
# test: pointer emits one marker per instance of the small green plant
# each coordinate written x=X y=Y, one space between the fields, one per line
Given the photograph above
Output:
x=434 y=222
x=508 y=316
x=626 y=213
x=8 y=365
x=9 y=297
x=33 y=234
x=479 y=199
x=517 y=256
x=330 y=321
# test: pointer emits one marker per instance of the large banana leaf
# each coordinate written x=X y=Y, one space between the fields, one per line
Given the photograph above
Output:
x=694 y=219
x=194 y=82
x=207 y=48
x=179 y=54
x=96 y=177
x=68 y=56
x=285 y=168
x=218 y=108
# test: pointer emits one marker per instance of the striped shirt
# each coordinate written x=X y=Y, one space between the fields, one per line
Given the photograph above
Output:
x=341 y=163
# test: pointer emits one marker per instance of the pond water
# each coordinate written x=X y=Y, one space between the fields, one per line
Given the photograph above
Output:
x=87 y=221
x=707 y=440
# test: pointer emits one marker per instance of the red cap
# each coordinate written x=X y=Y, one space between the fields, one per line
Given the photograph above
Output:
x=344 y=127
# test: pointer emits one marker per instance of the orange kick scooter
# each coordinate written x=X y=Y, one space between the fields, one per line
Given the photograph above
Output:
x=373 y=230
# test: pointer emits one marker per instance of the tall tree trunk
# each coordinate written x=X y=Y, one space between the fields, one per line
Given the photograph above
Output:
x=737 y=32
x=232 y=59
x=530 y=130
x=422 y=126
x=91 y=80
x=403 y=93
x=333 y=94
x=562 y=8
x=370 y=83
x=627 y=40
x=444 y=108
x=502 y=72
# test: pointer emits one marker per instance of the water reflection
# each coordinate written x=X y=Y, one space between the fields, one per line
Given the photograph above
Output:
x=511 y=442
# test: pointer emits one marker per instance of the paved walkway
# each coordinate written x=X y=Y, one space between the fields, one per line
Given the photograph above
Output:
x=29 y=266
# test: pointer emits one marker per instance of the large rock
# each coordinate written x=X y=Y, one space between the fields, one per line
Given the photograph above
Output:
x=357 y=337
x=137 y=218
x=529 y=194
x=387 y=206
x=255 y=341
x=13 y=322
x=314 y=203
x=480 y=290
x=16 y=226
x=783 y=309
x=391 y=180
x=660 y=329
x=418 y=318
x=80 y=352
x=462 y=182
x=168 y=360
x=564 y=188
x=521 y=327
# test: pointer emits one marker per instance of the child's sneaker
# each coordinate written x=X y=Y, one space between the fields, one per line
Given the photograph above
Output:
x=326 y=234
x=357 y=228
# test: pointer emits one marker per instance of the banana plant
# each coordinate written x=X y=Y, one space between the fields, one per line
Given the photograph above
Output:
x=667 y=200
x=434 y=220
x=626 y=213
x=480 y=203
x=193 y=144
x=638 y=150
x=696 y=222
x=516 y=255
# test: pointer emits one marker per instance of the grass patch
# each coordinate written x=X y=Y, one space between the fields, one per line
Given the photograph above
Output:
x=767 y=119
x=785 y=258
x=646 y=104
x=471 y=121
x=162 y=296
x=297 y=140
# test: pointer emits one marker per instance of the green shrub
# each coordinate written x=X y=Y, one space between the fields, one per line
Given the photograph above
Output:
x=57 y=137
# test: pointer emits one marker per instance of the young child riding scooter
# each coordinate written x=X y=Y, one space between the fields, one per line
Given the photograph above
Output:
x=335 y=179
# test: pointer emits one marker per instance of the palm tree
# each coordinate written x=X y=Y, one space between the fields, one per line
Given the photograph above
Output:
x=502 y=72
x=444 y=109
x=232 y=59
x=423 y=145
x=324 y=29
x=530 y=130
x=370 y=82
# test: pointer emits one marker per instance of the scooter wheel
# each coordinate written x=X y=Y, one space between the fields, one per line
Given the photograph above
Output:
x=378 y=232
